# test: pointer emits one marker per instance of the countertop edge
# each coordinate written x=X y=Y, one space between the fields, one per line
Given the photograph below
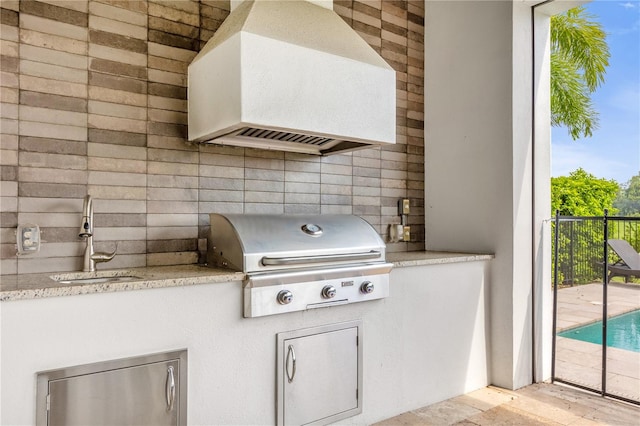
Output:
x=38 y=286
x=401 y=260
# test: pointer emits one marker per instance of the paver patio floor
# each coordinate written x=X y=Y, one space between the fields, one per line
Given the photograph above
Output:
x=538 y=404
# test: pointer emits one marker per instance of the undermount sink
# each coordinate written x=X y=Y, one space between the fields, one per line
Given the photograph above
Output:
x=94 y=277
x=96 y=280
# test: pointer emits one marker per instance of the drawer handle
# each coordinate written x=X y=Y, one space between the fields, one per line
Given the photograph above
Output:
x=170 y=388
x=291 y=353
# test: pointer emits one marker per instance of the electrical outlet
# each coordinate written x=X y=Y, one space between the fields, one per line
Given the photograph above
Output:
x=396 y=233
x=28 y=238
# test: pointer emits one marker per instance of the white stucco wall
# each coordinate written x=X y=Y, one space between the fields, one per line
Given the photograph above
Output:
x=425 y=343
x=479 y=150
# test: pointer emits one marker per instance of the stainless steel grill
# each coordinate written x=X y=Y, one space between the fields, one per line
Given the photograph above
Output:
x=296 y=262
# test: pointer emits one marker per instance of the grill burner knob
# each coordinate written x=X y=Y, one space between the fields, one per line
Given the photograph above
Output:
x=285 y=297
x=366 y=287
x=328 y=292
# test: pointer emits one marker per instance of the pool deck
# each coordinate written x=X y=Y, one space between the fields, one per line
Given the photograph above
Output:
x=582 y=304
x=581 y=362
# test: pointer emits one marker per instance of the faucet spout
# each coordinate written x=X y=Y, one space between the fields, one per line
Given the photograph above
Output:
x=86 y=228
x=86 y=231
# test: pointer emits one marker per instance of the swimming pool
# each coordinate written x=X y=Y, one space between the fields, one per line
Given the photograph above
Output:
x=623 y=332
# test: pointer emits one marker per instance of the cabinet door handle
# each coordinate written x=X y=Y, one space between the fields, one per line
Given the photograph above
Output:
x=291 y=354
x=170 y=388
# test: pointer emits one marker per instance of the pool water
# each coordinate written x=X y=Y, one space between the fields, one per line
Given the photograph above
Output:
x=623 y=332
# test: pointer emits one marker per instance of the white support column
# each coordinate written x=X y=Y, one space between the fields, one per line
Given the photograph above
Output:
x=479 y=160
x=543 y=309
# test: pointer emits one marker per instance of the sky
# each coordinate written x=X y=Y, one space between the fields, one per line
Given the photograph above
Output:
x=613 y=152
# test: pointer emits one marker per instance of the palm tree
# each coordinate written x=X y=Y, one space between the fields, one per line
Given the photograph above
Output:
x=579 y=57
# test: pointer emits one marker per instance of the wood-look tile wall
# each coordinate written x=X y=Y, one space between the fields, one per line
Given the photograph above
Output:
x=93 y=100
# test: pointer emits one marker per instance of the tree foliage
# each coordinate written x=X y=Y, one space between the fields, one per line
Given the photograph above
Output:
x=579 y=58
x=628 y=200
x=580 y=241
x=583 y=194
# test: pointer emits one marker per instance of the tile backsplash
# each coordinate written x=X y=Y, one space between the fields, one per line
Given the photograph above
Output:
x=93 y=100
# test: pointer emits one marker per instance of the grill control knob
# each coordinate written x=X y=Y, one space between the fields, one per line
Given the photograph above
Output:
x=366 y=287
x=285 y=297
x=328 y=292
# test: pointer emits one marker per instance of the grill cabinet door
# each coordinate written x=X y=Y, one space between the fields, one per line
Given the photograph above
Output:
x=127 y=396
x=324 y=386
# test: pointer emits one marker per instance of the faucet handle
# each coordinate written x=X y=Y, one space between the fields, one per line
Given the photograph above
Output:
x=101 y=256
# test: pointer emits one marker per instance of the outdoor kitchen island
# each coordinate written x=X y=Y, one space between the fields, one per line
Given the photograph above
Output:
x=426 y=342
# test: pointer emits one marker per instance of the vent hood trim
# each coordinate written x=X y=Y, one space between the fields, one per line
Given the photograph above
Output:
x=282 y=140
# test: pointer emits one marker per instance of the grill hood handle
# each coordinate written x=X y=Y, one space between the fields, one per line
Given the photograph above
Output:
x=280 y=261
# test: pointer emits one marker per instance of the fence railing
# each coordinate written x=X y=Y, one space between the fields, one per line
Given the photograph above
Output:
x=580 y=253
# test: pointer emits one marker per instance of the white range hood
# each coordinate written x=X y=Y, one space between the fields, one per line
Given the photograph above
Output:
x=290 y=76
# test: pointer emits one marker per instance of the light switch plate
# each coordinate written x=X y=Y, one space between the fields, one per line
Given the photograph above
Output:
x=405 y=206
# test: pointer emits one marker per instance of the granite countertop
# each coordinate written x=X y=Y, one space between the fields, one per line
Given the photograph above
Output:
x=35 y=286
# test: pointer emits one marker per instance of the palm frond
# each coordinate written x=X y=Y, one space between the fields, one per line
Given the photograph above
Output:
x=571 y=104
x=576 y=35
x=579 y=60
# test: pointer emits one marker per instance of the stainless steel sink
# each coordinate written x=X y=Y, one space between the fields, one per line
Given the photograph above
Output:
x=94 y=277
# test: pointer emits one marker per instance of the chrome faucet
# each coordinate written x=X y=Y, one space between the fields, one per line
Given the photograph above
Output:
x=86 y=231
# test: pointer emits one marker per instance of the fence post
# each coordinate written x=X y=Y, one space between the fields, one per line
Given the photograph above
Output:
x=604 y=301
x=555 y=296
x=572 y=248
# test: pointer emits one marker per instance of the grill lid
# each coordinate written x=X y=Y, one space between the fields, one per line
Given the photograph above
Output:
x=255 y=243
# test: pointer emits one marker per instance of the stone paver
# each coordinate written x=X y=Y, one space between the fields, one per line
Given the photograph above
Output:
x=447 y=412
x=485 y=398
x=504 y=415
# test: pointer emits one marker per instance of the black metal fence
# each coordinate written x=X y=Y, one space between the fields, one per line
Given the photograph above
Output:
x=582 y=255
x=580 y=240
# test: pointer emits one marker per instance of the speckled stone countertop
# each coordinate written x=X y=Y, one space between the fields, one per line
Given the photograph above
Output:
x=35 y=286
